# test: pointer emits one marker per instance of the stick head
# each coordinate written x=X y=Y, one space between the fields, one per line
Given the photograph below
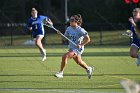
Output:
x=128 y=33
x=47 y=22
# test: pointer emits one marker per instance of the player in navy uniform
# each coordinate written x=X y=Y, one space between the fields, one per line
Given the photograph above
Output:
x=35 y=24
x=136 y=35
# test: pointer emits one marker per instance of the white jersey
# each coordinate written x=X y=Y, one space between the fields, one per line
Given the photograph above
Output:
x=76 y=35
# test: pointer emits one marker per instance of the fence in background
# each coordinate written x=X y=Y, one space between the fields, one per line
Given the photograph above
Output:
x=17 y=35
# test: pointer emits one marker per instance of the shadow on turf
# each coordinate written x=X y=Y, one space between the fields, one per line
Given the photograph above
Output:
x=60 y=54
x=73 y=75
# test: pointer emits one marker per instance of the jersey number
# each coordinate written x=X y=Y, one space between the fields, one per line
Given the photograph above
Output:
x=73 y=38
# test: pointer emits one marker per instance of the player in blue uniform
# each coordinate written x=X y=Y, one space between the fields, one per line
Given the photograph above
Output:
x=136 y=35
x=35 y=24
x=79 y=36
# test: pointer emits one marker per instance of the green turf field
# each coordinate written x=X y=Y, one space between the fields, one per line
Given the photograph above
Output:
x=21 y=70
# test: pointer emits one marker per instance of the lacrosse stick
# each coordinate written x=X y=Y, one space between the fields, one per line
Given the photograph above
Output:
x=48 y=23
x=128 y=33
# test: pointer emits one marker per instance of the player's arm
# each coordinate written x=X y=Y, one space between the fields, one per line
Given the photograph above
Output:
x=85 y=41
x=30 y=28
x=131 y=20
x=29 y=25
x=86 y=38
x=46 y=20
x=135 y=25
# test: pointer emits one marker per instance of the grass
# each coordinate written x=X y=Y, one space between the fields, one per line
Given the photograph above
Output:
x=21 y=70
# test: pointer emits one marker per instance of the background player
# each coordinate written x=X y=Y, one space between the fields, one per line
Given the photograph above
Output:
x=80 y=37
x=136 y=35
x=35 y=25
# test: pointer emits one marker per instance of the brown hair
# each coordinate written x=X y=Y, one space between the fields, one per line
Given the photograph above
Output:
x=77 y=19
x=136 y=9
x=33 y=9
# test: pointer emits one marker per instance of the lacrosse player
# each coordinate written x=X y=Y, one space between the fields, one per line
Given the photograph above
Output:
x=80 y=37
x=35 y=24
x=135 y=28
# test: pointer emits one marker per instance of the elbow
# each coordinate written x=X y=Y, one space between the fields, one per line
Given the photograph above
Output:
x=89 y=40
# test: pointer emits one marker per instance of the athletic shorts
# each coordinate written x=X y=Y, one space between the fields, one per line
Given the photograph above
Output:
x=136 y=42
x=77 y=51
x=38 y=36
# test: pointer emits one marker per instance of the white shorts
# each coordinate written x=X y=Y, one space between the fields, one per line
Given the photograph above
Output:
x=134 y=45
x=39 y=36
x=77 y=51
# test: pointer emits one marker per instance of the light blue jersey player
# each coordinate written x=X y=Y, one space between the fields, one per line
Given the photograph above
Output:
x=76 y=35
x=35 y=25
x=136 y=35
x=80 y=37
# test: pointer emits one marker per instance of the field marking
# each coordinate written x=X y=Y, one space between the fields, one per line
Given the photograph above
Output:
x=54 y=90
x=108 y=85
x=120 y=77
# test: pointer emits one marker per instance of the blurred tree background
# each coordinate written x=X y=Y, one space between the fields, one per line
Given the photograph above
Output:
x=98 y=15
x=93 y=11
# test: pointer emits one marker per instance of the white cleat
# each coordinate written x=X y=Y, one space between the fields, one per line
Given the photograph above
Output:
x=59 y=75
x=90 y=72
x=44 y=55
x=138 y=62
x=44 y=58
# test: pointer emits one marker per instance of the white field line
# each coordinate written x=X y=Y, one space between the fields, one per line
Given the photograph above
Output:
x=54 y=90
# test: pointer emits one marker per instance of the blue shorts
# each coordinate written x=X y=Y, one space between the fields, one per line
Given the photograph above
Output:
x=136 y=41
x=35 y=34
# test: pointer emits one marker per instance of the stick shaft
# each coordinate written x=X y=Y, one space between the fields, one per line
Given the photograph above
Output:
x=63 y=35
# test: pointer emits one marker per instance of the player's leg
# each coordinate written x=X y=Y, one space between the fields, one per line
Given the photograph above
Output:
x=79 y=61
x=40 y=46
x=64 y=61
x=134 y=53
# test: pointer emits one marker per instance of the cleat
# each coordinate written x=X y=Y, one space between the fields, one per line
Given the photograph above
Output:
x=90 y=72
x=59 y=75
x=43 y=55
x=44 y=58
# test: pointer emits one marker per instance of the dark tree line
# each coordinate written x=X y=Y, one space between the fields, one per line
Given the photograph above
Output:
x=93 y=11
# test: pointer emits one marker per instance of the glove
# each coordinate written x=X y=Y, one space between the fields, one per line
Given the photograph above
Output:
x=47 y=22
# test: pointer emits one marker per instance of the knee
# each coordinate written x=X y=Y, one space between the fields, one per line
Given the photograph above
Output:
x=79 y=62
x=38 y=42
x=133 y=55
x=64 y=58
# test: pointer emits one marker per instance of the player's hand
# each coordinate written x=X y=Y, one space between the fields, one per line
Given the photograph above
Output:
x=30 y=28
x=50 y=22
x=79 y=46
x=47 y=21
x=131 y=20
